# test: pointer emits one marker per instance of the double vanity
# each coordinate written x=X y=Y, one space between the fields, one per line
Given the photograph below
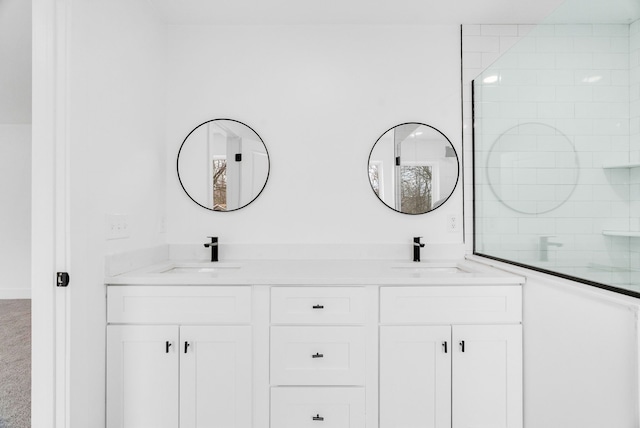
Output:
x=294 y=344
x=310 y=343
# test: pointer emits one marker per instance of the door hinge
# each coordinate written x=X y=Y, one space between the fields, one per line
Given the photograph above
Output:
x=397 y=160
x=62 y=279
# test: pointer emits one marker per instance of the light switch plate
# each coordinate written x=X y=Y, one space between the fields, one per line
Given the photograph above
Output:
x=117 y=226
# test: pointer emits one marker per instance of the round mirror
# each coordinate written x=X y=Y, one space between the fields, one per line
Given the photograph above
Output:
x=413 y=168
x=223 y=165
x=532 y=168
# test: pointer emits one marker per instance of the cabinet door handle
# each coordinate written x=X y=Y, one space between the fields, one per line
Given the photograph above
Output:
x=317 y=355
x=462 y=345
x=444 y=346
x=318 y=306
x=186 y=346
x=318 y=418
x=167 y=346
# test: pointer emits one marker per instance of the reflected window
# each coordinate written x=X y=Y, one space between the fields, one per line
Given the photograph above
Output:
x=417 y=186
x=220 y=184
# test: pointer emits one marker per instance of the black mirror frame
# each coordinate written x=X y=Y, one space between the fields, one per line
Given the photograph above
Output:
x=454 y=151
x=266 y=180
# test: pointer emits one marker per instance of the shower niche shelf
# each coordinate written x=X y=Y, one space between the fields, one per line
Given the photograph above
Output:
x=622 y=165
x=625 y=233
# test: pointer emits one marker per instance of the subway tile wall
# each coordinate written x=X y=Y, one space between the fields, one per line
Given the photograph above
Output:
x=572 y=92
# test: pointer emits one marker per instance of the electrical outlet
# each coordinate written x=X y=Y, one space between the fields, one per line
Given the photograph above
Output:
x=162 y=224
x=453 y=223
x=118 y=226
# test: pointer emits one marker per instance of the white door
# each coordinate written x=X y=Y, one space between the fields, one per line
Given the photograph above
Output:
x=142 y=376
x=487 y=376
x=257 y=174
x=215 y=377
x=415 y=377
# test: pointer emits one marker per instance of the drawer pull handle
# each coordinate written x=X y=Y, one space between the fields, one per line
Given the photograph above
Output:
x=462 y=345
x=167 y=345
x=444 y=346
x=317 y=355
x=318 y=306
x=186 y=346
x=318 y=418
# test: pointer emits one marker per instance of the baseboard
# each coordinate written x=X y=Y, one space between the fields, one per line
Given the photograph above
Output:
x=15 y=293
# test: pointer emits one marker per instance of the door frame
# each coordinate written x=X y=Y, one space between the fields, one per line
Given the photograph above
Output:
x=49 y=216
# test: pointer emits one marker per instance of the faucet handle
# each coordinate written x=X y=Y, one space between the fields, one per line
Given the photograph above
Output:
x=214 y=241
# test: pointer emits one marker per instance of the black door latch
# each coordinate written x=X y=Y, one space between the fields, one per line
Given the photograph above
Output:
x=62 y=279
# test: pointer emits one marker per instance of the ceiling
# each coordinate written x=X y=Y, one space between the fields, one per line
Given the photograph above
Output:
x=355 y=12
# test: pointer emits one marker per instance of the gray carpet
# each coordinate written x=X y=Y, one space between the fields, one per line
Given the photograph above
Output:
x=15 y=363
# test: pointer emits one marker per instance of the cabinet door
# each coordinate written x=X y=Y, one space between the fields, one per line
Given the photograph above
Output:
x=415 y=377
x=487 y=376
x=142 y=376
x=215 y=377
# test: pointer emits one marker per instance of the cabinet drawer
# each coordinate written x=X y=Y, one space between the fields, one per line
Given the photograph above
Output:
x=317 y=407
x=317 y=305
x=178 y=304
x=317 y=356
x=451 y=304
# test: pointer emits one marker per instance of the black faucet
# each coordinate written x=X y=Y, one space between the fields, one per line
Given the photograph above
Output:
x=416 y=248
x=214 y=247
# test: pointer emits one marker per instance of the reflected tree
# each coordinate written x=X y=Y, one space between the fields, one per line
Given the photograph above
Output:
x=220 y=184
x=416 y=189
x=374 y=178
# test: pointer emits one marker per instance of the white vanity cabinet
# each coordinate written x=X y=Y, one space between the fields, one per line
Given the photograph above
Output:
x=318 y=357
x=161 y=373
x=286 y=352
x=465 y=373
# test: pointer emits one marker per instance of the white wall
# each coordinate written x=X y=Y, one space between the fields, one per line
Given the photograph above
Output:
x=15 y=199
x=319 y=96
x=15 y=57
x=15 y=148
x=116 y=145
x=580 y=357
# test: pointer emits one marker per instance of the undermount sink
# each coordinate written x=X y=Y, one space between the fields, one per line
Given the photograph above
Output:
x=430 y=268
x=196 y=268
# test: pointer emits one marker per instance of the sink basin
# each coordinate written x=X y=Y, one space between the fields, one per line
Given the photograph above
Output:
x=436 y=269
x=429 y=268
x=199 y=268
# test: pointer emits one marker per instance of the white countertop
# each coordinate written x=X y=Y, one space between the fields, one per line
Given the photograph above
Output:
x=321 y=272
